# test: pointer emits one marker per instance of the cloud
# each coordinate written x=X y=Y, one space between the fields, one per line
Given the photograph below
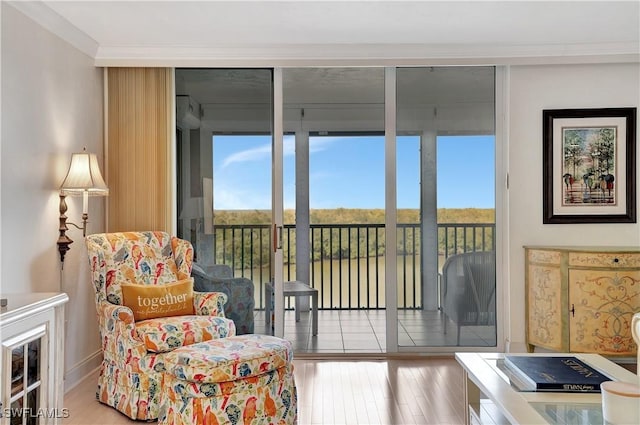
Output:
x=232 y=198
x=260 y=153
x=289 y=145
x=317 y=144
x=255 y=154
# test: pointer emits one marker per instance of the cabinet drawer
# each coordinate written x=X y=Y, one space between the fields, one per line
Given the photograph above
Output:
x=541 y=256
x=604 y=259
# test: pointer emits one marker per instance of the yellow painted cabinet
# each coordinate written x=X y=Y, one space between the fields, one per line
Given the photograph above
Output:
x=582 y=299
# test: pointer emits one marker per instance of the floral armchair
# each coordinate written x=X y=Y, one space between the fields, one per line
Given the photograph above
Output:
x=133 y=351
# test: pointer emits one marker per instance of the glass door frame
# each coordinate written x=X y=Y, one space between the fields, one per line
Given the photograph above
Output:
x=501 y=208
x=277 y=206
x=390 y=211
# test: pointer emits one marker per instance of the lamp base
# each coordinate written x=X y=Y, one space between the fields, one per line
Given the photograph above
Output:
x=63 y=240
x=63 y=246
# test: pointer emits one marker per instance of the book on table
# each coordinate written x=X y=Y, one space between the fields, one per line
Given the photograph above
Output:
x=554 y=373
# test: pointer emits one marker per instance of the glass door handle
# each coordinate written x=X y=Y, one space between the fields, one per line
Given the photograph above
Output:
x=277 y=237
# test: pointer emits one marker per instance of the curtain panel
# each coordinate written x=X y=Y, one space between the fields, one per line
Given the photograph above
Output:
x=138 y=149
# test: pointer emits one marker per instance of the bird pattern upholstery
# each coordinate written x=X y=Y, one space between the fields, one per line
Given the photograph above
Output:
x=130 y=377
x=245 y=379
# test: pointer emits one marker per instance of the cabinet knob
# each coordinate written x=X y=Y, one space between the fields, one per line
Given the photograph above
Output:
x=616 y=260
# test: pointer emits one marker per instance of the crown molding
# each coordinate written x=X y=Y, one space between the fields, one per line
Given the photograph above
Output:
x=52 y=21
x=365 y=54
x=327 y=54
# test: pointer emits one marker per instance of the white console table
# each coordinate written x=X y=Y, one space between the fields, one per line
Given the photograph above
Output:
x=32 y=358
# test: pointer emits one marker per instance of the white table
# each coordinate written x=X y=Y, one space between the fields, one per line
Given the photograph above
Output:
x=296 y=289
x=491 y=399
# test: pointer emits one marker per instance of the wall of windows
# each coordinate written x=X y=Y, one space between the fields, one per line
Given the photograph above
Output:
x=334 y=184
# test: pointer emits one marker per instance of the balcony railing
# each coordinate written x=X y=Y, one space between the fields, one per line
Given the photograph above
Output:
x=347 y=260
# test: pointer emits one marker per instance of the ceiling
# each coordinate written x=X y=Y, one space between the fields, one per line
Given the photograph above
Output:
x=199 y=33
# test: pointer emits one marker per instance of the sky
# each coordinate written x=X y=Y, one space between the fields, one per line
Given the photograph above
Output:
x=348 y=172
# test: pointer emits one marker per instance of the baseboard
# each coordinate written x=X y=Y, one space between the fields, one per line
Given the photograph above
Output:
x=81 y=370
x=515 y=347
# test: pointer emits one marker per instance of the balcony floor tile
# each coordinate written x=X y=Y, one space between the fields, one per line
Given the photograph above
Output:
x=364 y=331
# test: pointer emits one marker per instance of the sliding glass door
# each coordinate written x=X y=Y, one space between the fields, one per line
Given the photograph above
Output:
x=287 y=174
x=445 y=150
x=335 y=118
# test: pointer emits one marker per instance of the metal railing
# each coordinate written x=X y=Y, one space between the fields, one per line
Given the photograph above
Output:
x=347 y=260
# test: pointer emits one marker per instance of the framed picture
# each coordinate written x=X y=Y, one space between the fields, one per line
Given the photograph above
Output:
x=589 y=165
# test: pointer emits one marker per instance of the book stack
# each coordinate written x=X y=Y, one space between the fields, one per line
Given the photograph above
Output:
x=559 y=374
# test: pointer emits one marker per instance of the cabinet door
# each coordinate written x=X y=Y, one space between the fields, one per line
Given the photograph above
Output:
x=23 y=364
x=545 y=307
x=601 y=304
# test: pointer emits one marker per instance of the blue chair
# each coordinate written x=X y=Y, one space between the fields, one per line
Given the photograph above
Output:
x=239 y=291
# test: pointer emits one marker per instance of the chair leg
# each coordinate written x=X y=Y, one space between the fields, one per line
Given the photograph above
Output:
x=458 y=338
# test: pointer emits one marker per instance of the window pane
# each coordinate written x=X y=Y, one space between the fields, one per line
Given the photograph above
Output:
x=224 y=151
x=337 y=117
x=446 y=143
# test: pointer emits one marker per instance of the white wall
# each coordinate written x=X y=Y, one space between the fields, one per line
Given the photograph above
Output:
x=52 y=106
x=532 y=89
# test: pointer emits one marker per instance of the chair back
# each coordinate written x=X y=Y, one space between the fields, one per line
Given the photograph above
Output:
x=150 y=258
x=472 y=279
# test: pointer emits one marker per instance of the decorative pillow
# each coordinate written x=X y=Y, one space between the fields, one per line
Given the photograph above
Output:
x=151 y=301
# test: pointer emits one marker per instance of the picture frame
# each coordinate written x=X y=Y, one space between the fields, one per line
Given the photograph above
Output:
x=589 y=165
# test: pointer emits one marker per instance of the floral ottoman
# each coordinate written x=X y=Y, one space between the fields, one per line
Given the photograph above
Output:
x=241 y=379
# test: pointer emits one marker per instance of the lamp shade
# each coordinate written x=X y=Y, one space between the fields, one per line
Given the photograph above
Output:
x=84 y=176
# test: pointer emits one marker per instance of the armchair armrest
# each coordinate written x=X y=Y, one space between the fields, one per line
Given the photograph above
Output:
x=118 y=331
x=209 y=303
x=183 y=254
x=111 y=316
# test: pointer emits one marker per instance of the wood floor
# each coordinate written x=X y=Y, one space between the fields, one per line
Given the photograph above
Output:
x=394 y=391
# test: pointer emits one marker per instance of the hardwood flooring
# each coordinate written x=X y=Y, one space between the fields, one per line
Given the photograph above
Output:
x=393 y=391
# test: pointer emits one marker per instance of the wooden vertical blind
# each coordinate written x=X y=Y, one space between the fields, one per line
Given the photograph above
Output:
x=138 y=149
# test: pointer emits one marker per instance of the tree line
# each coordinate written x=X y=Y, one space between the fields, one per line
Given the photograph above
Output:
x=355 y=216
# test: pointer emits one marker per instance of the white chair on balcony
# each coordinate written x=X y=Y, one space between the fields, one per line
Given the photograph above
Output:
x=469 y=289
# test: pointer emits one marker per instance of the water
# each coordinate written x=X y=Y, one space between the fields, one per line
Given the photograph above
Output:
x=351 y=283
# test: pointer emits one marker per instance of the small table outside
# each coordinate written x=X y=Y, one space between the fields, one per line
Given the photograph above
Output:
x=489 y=397
x=296 y=289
